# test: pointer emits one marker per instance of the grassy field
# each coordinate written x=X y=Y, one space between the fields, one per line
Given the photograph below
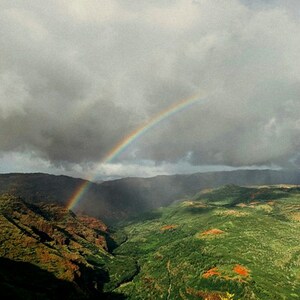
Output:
x=229 y=243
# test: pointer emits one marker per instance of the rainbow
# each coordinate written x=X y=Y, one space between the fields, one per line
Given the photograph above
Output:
x=130 y=138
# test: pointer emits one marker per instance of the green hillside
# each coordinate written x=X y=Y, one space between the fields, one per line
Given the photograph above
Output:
x=228 y=243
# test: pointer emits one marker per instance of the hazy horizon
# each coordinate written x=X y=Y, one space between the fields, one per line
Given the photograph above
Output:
x=101 y=179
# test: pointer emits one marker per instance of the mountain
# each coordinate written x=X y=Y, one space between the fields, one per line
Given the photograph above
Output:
x=227 y=243
x=47 y=252
x=119 y=199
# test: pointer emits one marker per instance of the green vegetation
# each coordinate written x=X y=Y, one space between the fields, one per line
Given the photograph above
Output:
x=229 y=243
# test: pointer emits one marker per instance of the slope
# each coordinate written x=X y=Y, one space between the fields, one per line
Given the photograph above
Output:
x=229 y=243
x=47 y=252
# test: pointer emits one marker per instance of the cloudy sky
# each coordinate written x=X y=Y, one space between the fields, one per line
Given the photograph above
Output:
x=76 y=77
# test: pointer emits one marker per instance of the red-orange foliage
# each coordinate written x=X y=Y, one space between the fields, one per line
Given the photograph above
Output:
x=101 y=241
x=92 y=222
x=211 y=272
x=168 y=227
x=238 y=269
x=241 y=270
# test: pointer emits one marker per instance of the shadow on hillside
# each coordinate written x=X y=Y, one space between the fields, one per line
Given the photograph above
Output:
x=198 y=210
x=22 y=280
x=113 y=296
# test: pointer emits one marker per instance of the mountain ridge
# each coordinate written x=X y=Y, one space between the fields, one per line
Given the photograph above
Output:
x=119 y=199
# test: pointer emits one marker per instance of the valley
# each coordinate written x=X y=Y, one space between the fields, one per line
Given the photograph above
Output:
x=231 y=242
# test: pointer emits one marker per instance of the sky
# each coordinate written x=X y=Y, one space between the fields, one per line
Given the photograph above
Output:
x=77 y=77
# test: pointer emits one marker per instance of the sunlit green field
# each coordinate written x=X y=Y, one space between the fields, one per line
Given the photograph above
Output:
x=229 y=243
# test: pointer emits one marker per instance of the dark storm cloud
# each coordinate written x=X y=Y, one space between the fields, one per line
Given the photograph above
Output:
x=77 y=76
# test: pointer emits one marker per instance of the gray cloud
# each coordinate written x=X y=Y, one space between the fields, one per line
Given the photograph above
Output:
x=76 y=77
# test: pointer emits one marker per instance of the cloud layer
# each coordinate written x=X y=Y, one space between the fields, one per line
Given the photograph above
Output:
x=76 y=77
